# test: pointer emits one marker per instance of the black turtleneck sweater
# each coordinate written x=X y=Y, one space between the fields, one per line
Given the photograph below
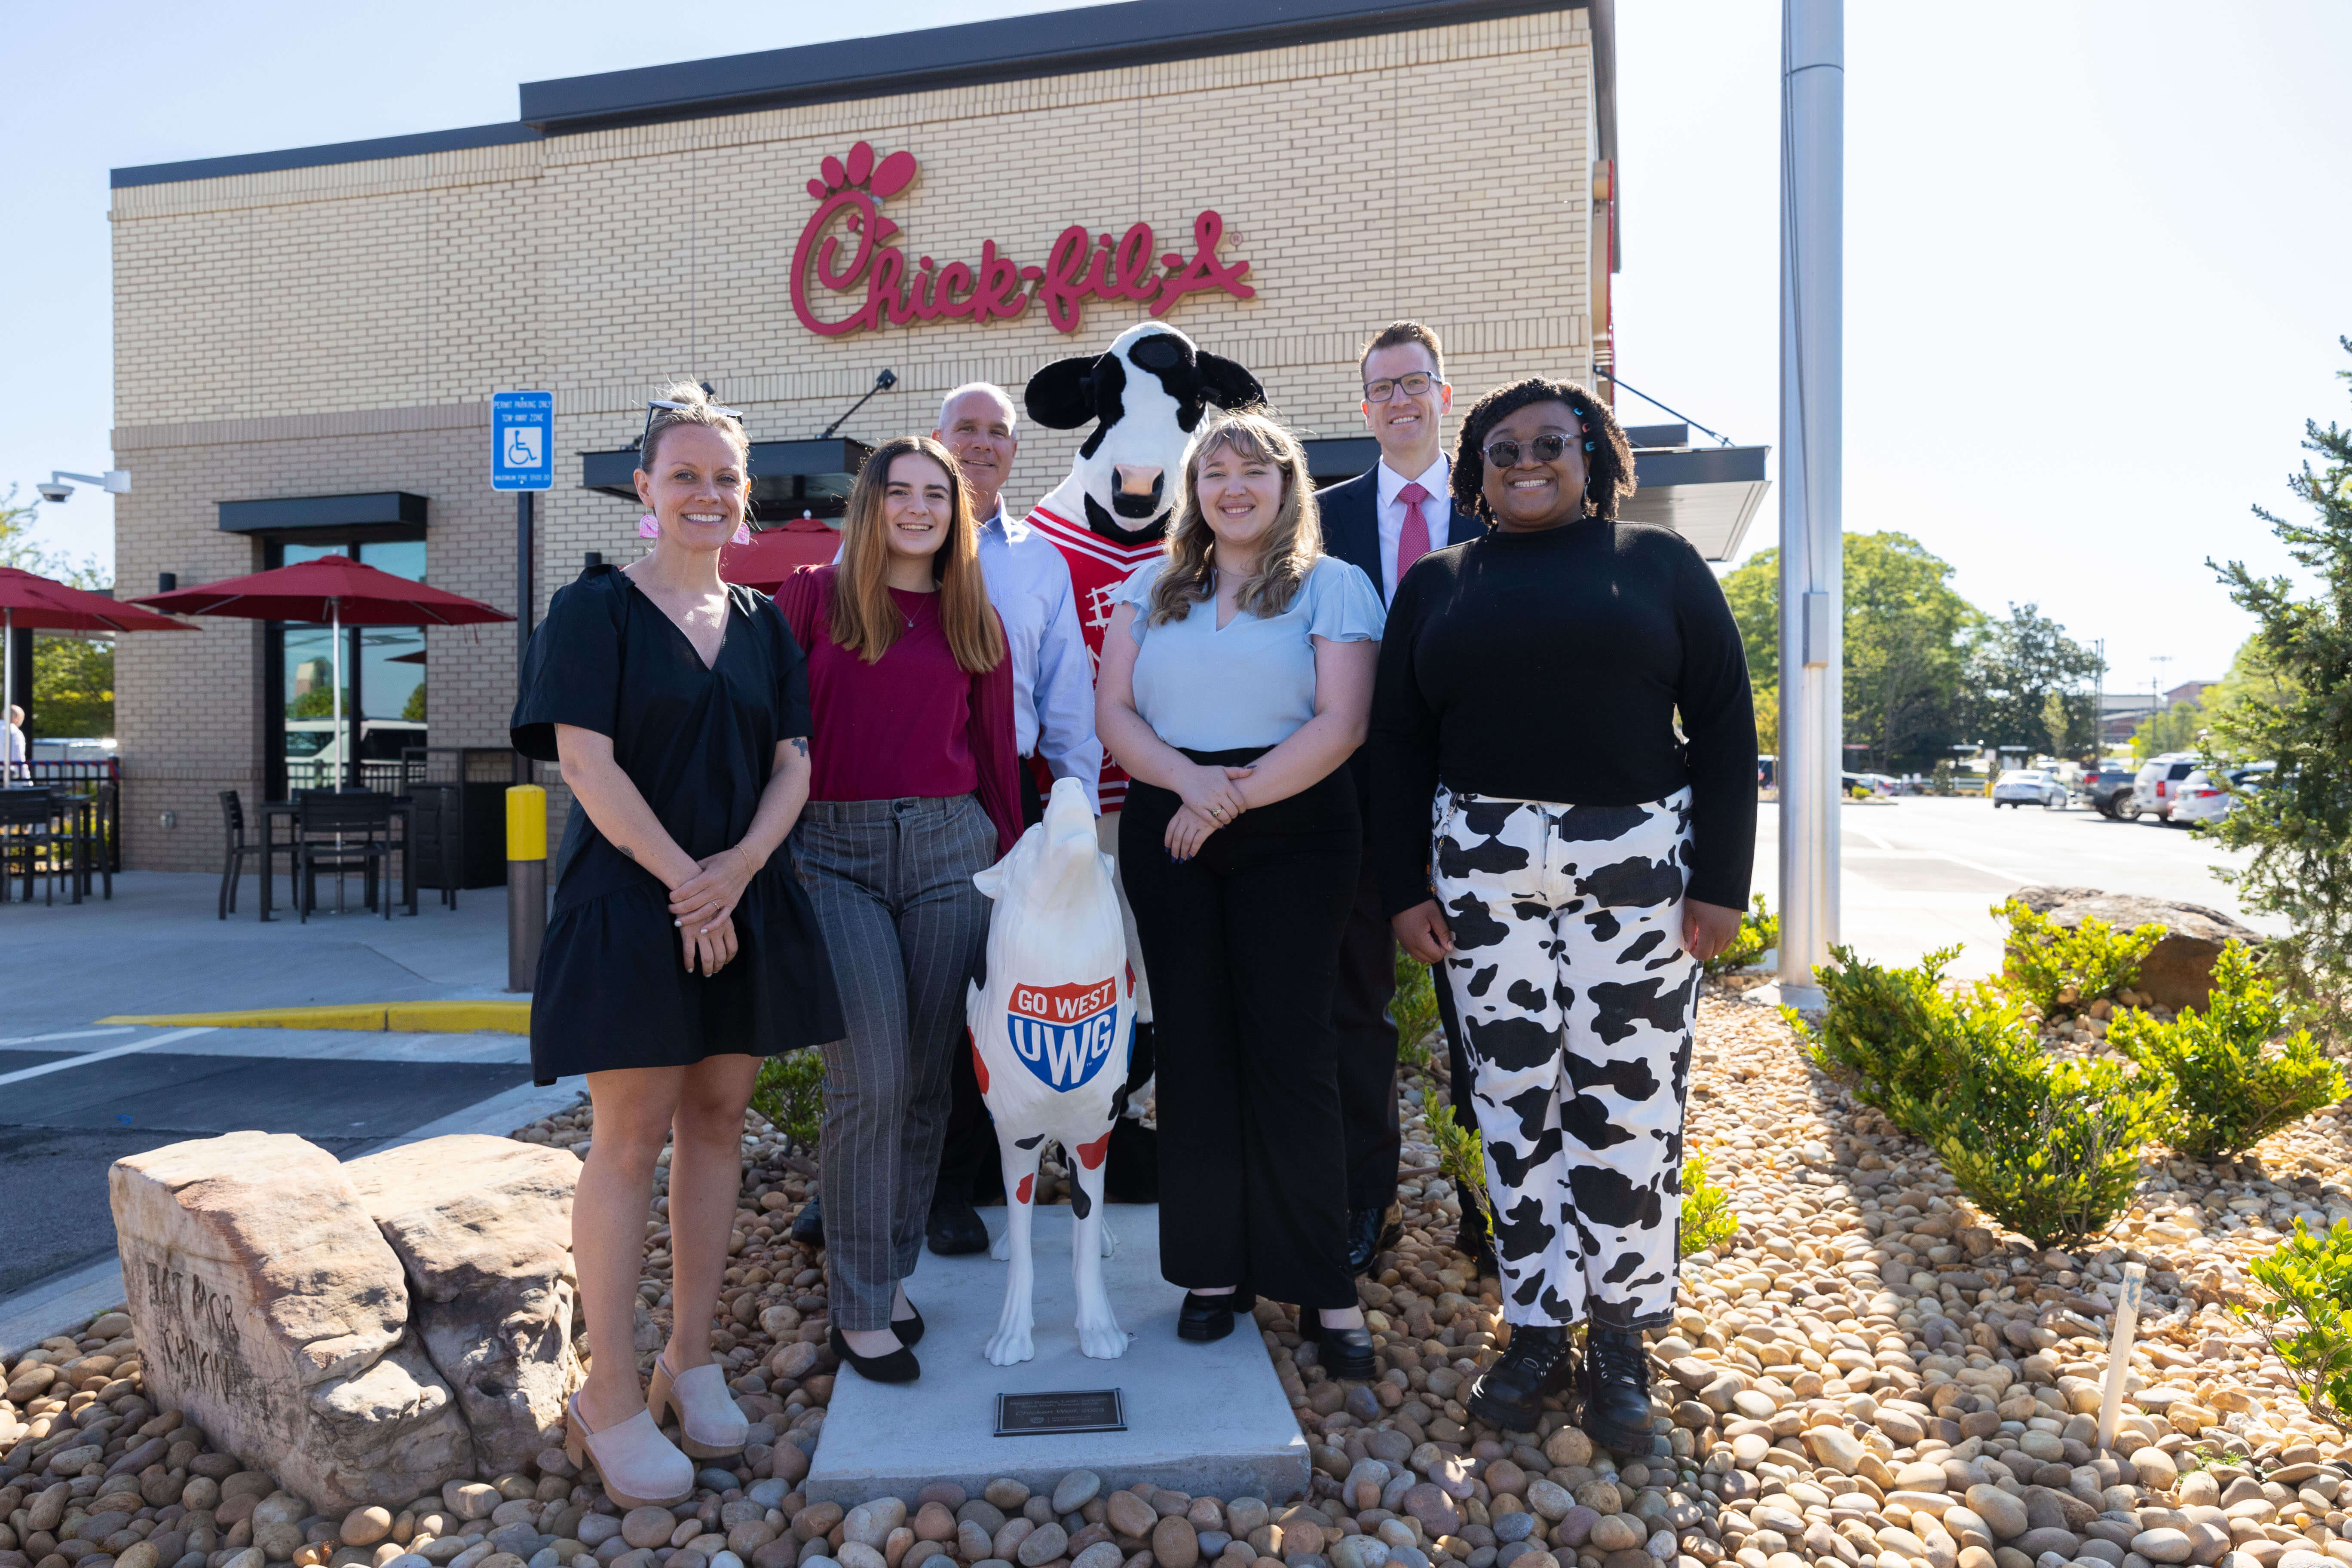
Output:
x=1551 y=666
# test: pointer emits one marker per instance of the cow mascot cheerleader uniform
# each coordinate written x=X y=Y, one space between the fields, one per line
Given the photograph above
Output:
x=1144 y=396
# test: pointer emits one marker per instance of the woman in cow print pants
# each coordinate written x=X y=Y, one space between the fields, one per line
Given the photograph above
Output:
x=1547 y=833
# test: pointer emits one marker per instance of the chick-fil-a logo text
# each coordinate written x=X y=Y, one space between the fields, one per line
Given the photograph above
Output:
x=845 y=247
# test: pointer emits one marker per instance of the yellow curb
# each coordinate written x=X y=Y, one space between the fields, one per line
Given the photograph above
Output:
x=495 y=1016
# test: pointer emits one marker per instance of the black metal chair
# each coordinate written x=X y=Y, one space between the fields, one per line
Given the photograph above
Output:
x=233 y=864
x=31 y=844
x=343 y=833
x=437 y=832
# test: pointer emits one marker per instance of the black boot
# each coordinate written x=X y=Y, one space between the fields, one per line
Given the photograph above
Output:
x=1616 y=1381
x=808 y=1226
x=1510 y=1394
x=955 y=1227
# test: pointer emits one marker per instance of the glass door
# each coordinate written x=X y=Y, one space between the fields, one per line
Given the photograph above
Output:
x=384 y=684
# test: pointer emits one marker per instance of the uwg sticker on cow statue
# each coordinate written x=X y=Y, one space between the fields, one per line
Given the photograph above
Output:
x=846 y=251
x=1050 y=1035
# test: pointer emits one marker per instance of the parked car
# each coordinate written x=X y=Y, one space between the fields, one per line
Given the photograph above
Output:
x=2157 y=785
x=2028 y=786
x=2103 y=785
x=2200 y=799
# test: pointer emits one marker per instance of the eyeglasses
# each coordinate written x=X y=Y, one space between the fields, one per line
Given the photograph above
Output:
x=654 y=403
x=1417 y=384
x=1547 y=449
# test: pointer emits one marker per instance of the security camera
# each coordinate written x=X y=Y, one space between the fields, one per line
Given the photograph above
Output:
x=54 y=493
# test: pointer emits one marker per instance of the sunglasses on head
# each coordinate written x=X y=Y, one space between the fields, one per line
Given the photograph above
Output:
x=654 y=403
x=1547 y=449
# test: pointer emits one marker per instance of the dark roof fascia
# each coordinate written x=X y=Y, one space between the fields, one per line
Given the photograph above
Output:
x=614 y=472
x=1012 y=48
x=335 y=152
x=1700 y=466
x=381 y=509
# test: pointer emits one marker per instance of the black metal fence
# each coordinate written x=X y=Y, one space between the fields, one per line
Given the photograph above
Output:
x=84 y=778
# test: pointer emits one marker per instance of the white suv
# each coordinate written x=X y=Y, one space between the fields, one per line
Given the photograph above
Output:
x=2158 y=788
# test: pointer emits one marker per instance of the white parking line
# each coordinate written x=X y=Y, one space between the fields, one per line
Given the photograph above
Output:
x=68 y=1035
x=122 y=1051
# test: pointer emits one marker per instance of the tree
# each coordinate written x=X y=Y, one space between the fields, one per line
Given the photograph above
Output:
x=17 y=548
x=2015 y=667
x=1905 y=633
x=2292 y=710
x=2173 y=729
x=73 y=686
x=2056 y=722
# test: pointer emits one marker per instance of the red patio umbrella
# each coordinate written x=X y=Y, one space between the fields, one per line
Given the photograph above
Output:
x=773 y=553
x=334 y=589
x=42 y=604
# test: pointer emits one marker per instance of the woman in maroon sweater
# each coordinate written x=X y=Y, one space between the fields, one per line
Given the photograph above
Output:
x=911 y=790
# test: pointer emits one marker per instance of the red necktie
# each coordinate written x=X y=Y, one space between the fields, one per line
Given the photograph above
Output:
x=1412 y=539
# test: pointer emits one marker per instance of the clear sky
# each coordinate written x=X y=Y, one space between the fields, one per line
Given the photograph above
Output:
x=2096 y=253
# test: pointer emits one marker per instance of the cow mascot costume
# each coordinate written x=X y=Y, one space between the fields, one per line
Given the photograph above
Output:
x=1144 y=396
x=1049 y=1045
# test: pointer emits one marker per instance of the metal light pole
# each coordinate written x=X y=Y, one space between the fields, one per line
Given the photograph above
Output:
x=1813 y=595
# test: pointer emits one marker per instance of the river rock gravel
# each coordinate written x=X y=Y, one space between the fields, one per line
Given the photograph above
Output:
x=1868 y=1375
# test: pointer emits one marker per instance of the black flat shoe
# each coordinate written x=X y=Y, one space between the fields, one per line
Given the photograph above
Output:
x=1206 y=1319
x=909 y=1329
x=1616 y=1383
x=1345 y=1353
x=1510 y=1394
x=1473 y=1242
x=1366 y=1238
x=898 y=1366
x=955 y=1227
x=808 y=1226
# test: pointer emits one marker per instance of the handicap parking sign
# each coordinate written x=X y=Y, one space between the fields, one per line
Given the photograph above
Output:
x=521 y=448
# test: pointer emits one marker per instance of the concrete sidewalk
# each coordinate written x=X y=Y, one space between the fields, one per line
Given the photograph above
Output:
x=155 y=947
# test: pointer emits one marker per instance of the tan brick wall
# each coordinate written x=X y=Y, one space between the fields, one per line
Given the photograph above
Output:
x=340 y=329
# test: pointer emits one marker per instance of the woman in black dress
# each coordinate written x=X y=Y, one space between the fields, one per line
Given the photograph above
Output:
x=681 y=949
x=1564 y=812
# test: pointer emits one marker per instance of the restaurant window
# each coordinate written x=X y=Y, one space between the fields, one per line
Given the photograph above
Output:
x=384 y=702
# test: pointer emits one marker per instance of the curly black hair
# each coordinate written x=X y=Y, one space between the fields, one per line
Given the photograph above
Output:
x=1608 y=460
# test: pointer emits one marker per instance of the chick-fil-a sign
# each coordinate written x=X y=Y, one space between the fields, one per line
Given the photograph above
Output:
x=844 y=250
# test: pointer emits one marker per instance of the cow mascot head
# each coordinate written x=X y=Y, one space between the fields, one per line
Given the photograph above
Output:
x=1050 y=1032
x=1145 y=395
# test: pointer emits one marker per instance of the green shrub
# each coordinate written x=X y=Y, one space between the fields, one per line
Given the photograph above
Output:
x=2230 y=1087
x=2309 y=1315
x=1885 y=1032
x=790 y=1092
x=1413 y=1009
x=2050 y=1148
x=1759 y=931
x=2059 y=970
x=1461 y=1157
x=1707 y=1221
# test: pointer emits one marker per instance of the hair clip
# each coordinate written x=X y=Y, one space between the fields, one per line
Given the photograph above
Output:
x=1589 y=446
x=647 y=528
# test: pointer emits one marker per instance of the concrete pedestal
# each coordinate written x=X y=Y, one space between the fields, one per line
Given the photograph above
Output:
x=1201 y=1418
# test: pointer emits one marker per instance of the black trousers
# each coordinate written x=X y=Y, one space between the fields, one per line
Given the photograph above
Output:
x=1243 y=943
x=1368 y=1048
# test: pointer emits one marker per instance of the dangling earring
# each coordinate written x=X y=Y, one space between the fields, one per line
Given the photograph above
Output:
x=742 y=534
x=647 y=528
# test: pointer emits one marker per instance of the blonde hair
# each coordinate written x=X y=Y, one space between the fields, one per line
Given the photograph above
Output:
x=1294 y=540
x=863 y=616
x=696 y=409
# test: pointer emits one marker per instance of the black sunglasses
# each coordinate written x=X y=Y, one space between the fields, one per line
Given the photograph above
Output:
x=654 y=403
x=1547 y=449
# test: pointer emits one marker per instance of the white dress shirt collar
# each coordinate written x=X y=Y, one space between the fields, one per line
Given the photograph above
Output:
x=1433 y=479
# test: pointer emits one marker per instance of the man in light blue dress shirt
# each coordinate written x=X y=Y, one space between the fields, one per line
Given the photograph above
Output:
x=1052 y=718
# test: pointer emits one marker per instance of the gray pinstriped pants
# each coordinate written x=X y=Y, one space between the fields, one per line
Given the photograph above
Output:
x=891 y=881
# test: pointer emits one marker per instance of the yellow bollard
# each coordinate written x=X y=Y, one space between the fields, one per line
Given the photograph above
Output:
x=525 y=883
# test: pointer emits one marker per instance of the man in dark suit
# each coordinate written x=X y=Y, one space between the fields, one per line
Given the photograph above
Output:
x=1381 y=523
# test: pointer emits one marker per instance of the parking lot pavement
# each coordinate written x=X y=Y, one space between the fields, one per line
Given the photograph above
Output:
x=1922 y=872
x=68 y=1109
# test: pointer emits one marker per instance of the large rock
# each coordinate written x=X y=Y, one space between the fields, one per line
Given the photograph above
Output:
x=2179 y=971
x=274 y=1314
x=483 y=1227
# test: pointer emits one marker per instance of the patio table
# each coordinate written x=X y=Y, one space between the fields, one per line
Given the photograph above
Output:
x=290 y=812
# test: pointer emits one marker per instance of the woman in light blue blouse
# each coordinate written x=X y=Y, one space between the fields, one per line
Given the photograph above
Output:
x=1237 y=680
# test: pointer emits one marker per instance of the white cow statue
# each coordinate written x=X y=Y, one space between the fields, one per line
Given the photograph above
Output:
x=1050 y=1035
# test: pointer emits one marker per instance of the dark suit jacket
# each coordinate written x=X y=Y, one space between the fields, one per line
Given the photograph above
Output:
x=1351 y=531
